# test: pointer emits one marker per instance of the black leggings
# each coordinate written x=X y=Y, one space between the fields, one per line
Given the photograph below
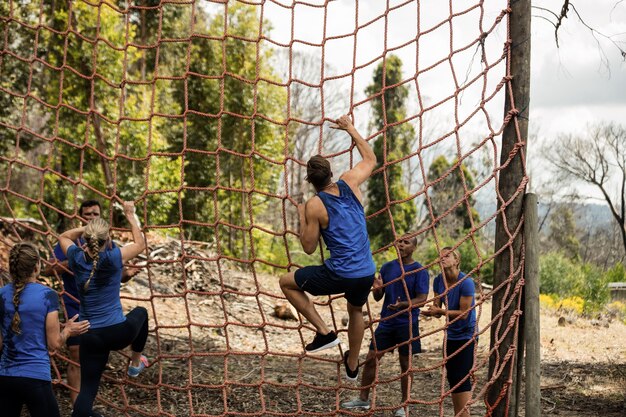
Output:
x=95 y=346
x=35 y=393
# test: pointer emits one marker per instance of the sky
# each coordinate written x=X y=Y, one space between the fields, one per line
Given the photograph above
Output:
x=582 y=81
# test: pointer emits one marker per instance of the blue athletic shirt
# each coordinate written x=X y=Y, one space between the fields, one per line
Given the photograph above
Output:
x=26 y=355
x=69 y=283
x=100 y=304
x=346 y=234
x=416 y=283
x=460 y=329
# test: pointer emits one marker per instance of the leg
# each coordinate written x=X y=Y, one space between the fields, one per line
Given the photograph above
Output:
x=458 y=368
x=356 y=328
x=92 y=363
x=73 y=372
x=369 y=373
x=41 y=401
x=137 y=321
x=459 y=400
x=404 y=381
x=296 y=296
x=10 y=396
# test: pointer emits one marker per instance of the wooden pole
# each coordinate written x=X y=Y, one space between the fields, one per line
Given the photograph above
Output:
x=510 y=188
x=532 y=319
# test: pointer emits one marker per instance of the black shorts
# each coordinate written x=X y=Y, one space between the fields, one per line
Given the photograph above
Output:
x=319 y=280
x=391 y=336
x=459 y=366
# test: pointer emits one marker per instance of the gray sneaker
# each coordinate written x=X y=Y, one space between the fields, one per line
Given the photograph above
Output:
x=356 y=404
x=399 y=412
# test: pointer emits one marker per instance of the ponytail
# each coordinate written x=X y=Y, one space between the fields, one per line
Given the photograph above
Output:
x=23 y=260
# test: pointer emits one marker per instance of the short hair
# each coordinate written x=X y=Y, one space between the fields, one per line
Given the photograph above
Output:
x=318 y=172
x=455 y=252
x=413 y=239
x=88 y=203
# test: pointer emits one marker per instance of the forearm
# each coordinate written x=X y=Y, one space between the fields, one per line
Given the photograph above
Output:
x=364 y=148
x=73 y=234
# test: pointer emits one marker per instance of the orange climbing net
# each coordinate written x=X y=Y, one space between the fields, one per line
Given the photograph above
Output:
x=205 y=112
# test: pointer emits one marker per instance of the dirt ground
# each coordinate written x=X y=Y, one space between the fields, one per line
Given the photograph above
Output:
x=218 y=352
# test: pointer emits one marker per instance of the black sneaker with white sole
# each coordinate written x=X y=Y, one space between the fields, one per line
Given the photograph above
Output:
x=350 y=374
x=321 y=342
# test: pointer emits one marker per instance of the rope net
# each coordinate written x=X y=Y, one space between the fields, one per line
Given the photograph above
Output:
x=205 y=113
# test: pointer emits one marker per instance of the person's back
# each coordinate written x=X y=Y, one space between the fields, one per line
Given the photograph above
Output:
x=346 y=234
x=26 y=354
x=100 y=303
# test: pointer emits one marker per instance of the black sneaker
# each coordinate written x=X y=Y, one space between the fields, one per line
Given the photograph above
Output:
x=350 y=374
x=321 y=342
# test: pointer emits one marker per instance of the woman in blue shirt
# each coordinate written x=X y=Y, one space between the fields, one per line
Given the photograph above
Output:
x=98 y=274
x=456 y=291
x=29 y=321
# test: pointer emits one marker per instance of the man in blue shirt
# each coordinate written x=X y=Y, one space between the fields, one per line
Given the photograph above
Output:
x=404 y=284
x=336 y=213
x=455 y=290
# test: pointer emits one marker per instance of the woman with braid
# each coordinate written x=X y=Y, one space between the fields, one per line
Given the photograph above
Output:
x=29 y=324
x=98 y=274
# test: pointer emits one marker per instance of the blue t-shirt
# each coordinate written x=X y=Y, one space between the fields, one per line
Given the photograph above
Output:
x=100 y=304
x=416 y=284
x=346 y=234
x=26 y=355
x=69 y=284
x=460 y=329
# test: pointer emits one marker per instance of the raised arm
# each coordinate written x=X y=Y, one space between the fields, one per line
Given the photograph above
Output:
x=139 y=242
x=363 y=169
x=68 y=238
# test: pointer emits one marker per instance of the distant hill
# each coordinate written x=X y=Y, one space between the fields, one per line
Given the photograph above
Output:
x=587 y=215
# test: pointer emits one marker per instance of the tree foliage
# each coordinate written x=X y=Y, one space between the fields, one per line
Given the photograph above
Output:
x=449 y=182
x=386 y=190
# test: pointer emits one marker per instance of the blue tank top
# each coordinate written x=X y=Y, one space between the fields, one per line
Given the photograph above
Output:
x=346 y=234
x=26 y=355
x=100 y=304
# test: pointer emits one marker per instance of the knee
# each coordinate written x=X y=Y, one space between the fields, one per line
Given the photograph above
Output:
x=287 y=281
x=404 y=362
x=355 y=310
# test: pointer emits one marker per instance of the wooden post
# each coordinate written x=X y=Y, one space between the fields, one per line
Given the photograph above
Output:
x=532 y=319
x=510 y=188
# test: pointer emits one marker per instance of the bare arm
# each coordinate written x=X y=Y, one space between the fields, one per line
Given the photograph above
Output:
x=55 y=338
x=68 y=238
x=139 y=242
x=363 y=169
x=465 y=305
x=377 y=289
x=309 y=225
x=415 y=302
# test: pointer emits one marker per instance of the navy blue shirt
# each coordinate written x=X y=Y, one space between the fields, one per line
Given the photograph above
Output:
x=460 y=329
x=346 y=234
x=100 y=304
x=416 y=284
x=26 y=355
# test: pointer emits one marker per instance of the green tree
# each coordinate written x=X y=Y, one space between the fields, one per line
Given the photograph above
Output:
x=563 y=232
x=227 y=130
x=447 y=192
x=385 y=190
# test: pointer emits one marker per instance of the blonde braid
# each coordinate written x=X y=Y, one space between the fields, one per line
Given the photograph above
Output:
x=96 y=235
x=23 y=260
x=94 y=248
